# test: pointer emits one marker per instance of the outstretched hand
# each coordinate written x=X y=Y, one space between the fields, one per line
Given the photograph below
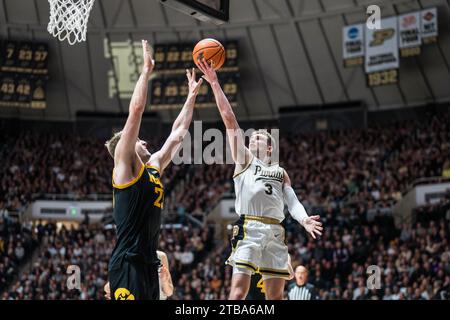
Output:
x=107 y=291
x=313 y=225
x=194 y=86
x=149 y=63
x=209 y=74
x=164 y=274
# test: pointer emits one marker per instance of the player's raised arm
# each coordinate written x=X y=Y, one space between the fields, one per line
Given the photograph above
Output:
x=125 y=150
x=241 y=155
x=298 y=212
x=162 y=158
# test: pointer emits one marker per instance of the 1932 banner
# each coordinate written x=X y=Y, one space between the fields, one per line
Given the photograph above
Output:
x=382 y=58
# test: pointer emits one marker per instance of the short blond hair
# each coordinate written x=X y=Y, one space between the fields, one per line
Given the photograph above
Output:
x=111 y=144
x=270 y=138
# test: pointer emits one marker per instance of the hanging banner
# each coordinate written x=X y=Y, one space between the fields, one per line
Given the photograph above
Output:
x=353 y=45
x=410 y=38
x=382 y=58
x=429 y=25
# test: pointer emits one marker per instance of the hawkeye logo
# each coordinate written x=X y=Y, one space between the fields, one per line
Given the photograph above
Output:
x=123 y=294
x=380 y=36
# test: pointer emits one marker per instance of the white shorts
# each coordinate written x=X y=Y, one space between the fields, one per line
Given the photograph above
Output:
x=258 y=247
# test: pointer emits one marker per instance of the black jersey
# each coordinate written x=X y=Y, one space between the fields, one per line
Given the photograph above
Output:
x=137 y=214
x=257 y=289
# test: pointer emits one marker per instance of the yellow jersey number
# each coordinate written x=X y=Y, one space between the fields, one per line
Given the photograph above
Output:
x=158 y=202
x=261 y=286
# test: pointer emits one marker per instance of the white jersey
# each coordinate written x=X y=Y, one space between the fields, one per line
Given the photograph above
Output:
x=259 y=190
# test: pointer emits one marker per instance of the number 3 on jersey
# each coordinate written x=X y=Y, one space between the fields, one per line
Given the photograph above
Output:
x=158 y=202
x=268 y=189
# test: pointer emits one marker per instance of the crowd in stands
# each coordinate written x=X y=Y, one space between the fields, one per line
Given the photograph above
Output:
x=413 y=263
x=373 y=166
x=41 y=163
x=89 y=248
x=351 y=178
x=38 y=165
x=17 y=243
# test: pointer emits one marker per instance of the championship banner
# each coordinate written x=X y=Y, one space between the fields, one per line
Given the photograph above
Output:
x=429 y=22
x=382 y=57
x=353 y=46
x=410 y=38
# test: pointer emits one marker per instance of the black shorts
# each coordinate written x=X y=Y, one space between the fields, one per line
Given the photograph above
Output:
x=134 y=280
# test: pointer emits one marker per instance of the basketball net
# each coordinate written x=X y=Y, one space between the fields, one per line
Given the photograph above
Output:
x=69 y=18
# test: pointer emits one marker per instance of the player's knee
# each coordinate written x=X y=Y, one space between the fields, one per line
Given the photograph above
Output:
x=274 y=296
x=274 y=293
x=238 y=294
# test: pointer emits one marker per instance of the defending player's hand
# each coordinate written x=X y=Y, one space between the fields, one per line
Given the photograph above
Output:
x=313 y=225
x=107 y=291
x=164 y=274
x=209 y=74
x=194 y=86
x=149 y=63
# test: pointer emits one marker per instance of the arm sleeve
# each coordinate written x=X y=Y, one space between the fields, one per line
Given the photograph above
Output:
x=295 y=208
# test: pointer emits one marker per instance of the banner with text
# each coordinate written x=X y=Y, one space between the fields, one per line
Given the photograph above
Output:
x=410 y=38
x=353 y=48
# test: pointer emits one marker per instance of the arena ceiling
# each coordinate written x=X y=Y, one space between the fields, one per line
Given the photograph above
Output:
x=291 y=54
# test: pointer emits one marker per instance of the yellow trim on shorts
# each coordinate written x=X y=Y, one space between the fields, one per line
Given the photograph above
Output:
x=246 y=167
x=274 y=272
x=266 y=220
x=126 y=185
x=247 y=265
x=244 y=226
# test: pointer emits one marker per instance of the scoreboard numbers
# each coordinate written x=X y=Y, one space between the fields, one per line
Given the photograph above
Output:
x=170 y=88
x=8 y=59
x=40 y=55
x=8 y=92
x=23 y=74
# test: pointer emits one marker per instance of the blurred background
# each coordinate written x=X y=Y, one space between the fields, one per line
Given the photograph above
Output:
x=364 y=135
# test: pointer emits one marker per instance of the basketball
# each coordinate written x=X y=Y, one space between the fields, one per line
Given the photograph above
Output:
x=211 y=50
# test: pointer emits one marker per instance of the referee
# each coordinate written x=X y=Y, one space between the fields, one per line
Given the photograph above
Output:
x=301 y=289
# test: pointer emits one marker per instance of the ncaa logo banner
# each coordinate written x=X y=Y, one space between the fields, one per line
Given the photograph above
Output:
x=382 y=47
x=353 y=46
x=410 y=37
x=429 y=25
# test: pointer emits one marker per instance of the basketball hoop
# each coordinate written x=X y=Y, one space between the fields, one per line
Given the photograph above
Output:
x=68 y=19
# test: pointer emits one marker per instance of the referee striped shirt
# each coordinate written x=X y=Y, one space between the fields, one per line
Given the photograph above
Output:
x=305 y=292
